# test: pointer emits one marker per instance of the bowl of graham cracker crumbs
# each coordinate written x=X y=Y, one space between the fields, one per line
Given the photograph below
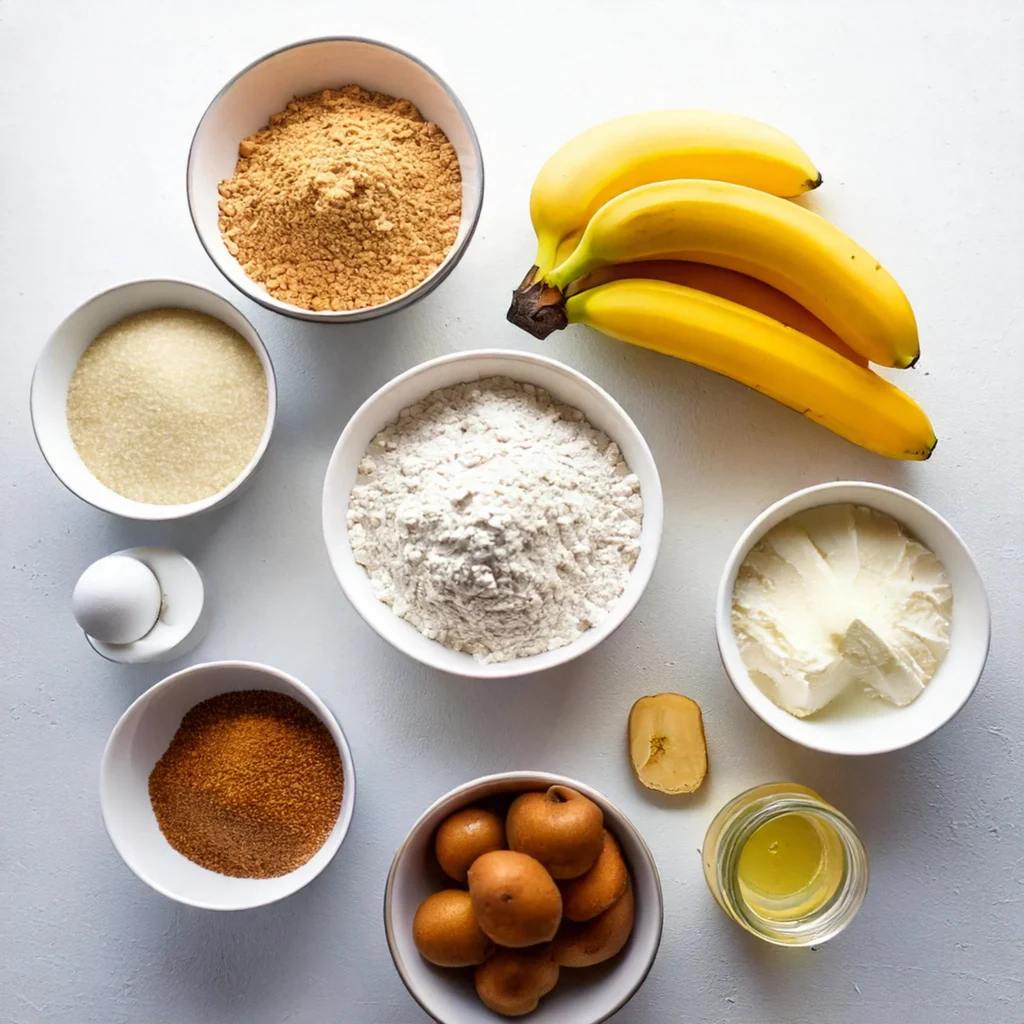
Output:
x=335 y=180
x=227 y=785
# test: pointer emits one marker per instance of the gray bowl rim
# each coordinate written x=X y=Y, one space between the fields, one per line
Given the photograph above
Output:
x=426 y=286
x=320 y=707
x=749 y=537
x=526 y=777
x=271 y=386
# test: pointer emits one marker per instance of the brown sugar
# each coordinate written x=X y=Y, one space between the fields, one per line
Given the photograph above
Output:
x=346 y=199
x=250 y=785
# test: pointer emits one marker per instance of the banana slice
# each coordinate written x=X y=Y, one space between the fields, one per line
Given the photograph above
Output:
x=666 y=743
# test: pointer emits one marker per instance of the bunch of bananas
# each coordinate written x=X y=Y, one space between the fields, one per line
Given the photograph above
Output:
x=671 y=230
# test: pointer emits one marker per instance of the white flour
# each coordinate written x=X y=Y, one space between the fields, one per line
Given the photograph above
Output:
x=495 y=520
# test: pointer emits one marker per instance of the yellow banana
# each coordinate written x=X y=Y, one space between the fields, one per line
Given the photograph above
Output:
x=780 y=243
x=755 y=350
x=726 y=284
x=618 y=155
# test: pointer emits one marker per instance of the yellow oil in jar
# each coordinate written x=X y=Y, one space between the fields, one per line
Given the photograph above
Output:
x=790 y=867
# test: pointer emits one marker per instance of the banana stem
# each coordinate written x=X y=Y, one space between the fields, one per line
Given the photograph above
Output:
x=574 y=266
x=536 y=307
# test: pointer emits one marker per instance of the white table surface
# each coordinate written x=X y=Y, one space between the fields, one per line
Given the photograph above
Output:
x=913 y=112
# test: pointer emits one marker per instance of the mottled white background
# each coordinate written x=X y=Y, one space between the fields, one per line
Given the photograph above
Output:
x=912 y=110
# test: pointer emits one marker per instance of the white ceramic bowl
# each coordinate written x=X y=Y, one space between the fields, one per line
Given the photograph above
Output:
x=139 y=740
x=266 y=86
x=871 y=727
x=582 y=996
x=383 y=407
x=60 y=356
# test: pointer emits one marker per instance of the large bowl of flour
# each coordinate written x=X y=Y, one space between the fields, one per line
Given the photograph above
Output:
x=492 y=513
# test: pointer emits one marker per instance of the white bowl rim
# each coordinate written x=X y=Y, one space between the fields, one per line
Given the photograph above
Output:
x=144 y=511
x=748 y=689
x=348 y=798
x=527 y=777
x=652 y=495
x=429 y=283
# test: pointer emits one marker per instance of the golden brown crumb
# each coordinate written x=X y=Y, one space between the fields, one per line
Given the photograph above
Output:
x=347 y=199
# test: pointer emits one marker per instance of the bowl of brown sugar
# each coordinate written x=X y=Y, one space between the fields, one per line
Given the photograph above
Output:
x=335 y=180
x=228 y=785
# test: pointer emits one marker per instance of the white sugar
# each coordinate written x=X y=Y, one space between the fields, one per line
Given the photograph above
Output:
x=168 y=406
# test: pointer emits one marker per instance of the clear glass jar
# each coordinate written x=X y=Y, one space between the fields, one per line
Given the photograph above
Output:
x=785 y=864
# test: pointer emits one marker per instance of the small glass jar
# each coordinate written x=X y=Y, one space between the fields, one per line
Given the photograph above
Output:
x=785 y=865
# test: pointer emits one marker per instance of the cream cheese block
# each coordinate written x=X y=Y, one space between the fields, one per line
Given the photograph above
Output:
x=836 y=597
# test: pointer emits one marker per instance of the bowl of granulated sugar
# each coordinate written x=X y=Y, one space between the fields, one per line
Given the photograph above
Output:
x=154 y=400
x=492 y=513
x=335 y=180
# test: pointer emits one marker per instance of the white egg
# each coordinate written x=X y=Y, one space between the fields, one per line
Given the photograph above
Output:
x=117 y=600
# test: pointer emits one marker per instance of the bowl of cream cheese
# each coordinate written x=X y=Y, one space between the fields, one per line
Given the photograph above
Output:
x=852 y=618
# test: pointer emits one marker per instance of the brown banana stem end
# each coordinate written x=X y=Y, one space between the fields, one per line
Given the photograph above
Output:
x=537 y=308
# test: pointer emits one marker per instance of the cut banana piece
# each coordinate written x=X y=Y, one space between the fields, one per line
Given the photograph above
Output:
x=666 y=743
